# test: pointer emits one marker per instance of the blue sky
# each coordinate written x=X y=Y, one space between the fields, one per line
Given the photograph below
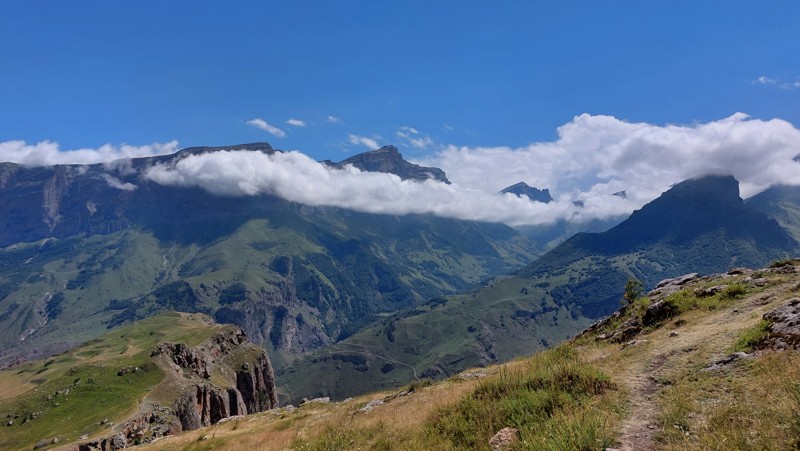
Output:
x=87 y=73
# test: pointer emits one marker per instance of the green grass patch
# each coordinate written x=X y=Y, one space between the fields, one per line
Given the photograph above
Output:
x=76 y=402
x=685 y=300
x=547 y=401
x=752 y=337
x=77 y=391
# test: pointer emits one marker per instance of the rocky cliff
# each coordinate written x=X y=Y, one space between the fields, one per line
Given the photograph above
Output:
x=223 y=377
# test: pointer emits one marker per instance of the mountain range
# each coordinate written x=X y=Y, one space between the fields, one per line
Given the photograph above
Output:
x=88 y=248
x=344 y=302
x=698 y=225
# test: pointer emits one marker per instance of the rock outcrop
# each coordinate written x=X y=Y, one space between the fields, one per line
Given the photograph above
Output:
x=243 y=383
x=784 y=326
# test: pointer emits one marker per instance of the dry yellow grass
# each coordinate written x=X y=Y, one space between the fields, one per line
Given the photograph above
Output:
x=279 y=430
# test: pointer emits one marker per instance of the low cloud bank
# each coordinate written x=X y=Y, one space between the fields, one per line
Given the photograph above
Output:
x=296 y=177
x=593 y=157
x=48 y=153
x=596 y=155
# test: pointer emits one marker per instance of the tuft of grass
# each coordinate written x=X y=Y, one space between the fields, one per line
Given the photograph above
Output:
x=752 y=337
x=684 y=300
x=733 y=291
x=546 y=400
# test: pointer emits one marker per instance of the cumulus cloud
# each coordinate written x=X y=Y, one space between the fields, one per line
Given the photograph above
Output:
x=333 y=119
x=264 y=125
x=413 y=137
x=48 y=153
x=363 y=141
x=296 y=177
x=593 y=158
x=296 y=122
x=598 y=155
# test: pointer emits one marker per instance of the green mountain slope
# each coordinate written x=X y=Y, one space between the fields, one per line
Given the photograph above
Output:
x=81 y=257
x=697 y=226
x=136 y=374
x=781 y=203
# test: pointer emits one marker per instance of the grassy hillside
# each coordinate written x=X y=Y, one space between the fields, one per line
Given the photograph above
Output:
x=781 y=203
x=697 y=226
x=80 y=392
x=294 y=281
x=434 y=340
x=668 y=385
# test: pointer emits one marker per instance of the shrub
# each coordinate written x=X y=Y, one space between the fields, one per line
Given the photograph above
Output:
x=633 y=290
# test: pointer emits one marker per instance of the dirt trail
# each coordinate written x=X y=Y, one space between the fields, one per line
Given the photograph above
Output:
x=666 y=353
x=639 y=429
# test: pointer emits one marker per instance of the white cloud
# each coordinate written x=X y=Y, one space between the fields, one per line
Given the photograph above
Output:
x=597 y=155
x=296 y=177
x=296 y=122
x=48 y=153
x=594 y=157
x=117 y=183
x=264 y=125
x=334 y=119
x=371 y=143
x=788 y=85
x=764 y=80
x=412 y=136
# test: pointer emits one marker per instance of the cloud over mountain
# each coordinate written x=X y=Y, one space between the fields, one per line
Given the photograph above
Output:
x=48 y=153
x=296 y=177
x=596 y=155
x=593 y=158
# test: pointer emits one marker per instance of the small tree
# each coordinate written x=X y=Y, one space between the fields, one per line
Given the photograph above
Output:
x=633 y=290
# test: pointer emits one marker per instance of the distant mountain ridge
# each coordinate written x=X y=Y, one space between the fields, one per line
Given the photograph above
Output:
x=781 y=202
x=85 y=248
x=523 y=189
x=388 y=159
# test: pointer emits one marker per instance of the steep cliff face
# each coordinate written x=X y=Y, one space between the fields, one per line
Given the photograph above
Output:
x=224 y=376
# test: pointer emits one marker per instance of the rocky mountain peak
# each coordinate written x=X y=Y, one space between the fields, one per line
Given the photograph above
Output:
x=533 y=193
x=722 y=189
x=389 y=160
